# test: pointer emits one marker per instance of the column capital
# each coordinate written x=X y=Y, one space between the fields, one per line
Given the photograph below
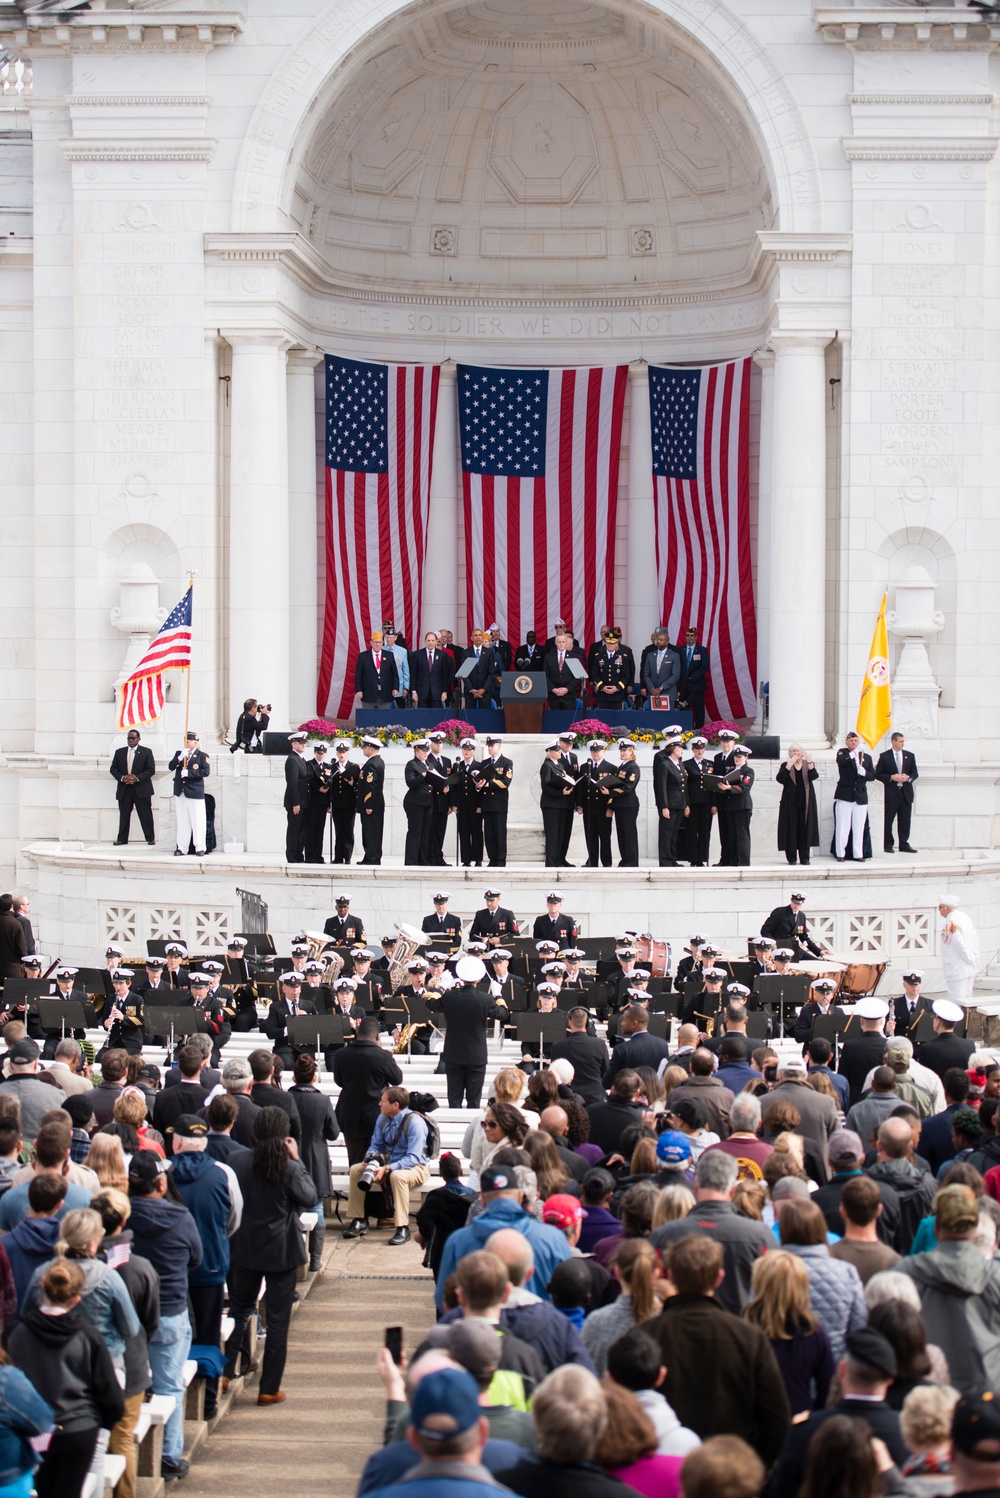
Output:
x=638 y=372
x=304 y=360
x=799 y=339
x=763 y=358
x=449 y=370
x=247 y=338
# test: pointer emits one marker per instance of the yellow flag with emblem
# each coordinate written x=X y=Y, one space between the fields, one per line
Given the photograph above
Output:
x=875 y=707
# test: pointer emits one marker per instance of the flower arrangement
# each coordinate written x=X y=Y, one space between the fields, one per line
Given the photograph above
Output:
x=454 y=730
x=595 y=728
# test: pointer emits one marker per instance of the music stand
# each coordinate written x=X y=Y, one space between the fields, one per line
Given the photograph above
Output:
x=573 y=999
x=259 y=942
x=171 y=1020
x=596 y=948
x=66 y=1014
x=924 y=1028
x=778 y=989
x=319 y=1030
x=541 y=1030
x=740 y=972
x=24 y=993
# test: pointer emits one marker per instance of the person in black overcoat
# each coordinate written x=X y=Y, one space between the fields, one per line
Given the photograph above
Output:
x=798 y=815
x=362 y=1070
x=319 y=1130
x=467 y=1011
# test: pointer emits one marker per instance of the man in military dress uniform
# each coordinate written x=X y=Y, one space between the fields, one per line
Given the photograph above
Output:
x=369 y=987
x=123 y=1014
x=670 y=791
x=175 y=974
x=201 y=999
x=787 y=923
x=723 y=764
x=317 y=804
x=344 y=929
x=594 y=797
x=908 y=1006
x=496 y=772
x=468 y=800
x=418 y=804
x=69 y=993
x=495 y=924
x=371 y=800
x=442 y=804
x=701 y=801
x=191 y=769
x=444 y=927
x=296 y=798
x=289 y=1004
x=344 y=782
x=554 y=925
x=610 y=673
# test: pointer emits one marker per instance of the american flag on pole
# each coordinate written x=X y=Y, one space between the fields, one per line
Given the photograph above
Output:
x=540 y=453
x=701 y=491
x=379 y=437
x=142 y=693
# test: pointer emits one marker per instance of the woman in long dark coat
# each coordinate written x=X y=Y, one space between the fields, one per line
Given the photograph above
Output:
x=798 y=817
x=319 y=1130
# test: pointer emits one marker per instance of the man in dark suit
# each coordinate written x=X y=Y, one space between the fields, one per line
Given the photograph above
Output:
x=134 y=767
x=481 y=684
x=559 y=679
x=443 y=926
x=855 y=773
x=528 y=657
x=494 y=925
x=661 y=668
x=376 y=677
x=362 y=1070
x=191 y=769
x=587 y=1054
x=296 y=798
x=908 y=1006
x=554 y=925
x=371 y=800
x=694 y=675
x=897 y=770
x=431 y=674
x=496 y=772
x=638 y=1047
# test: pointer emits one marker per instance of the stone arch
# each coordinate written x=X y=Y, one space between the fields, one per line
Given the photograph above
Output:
x=281 y=124
x=918 y=545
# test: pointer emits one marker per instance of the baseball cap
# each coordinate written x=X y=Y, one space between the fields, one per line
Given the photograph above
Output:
x=844 y=1145
x=497 y=1178
x=673 y=1148
x=145 y=1167
x=955 y=1210
x=791 y=1066
x=189 y=1126
x=450 y=1394
x=976 y=1418
x=562 y=1211
x=689 y=1110
x=24 y=1052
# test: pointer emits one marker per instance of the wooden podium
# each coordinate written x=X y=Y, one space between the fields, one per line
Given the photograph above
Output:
x=524 y=695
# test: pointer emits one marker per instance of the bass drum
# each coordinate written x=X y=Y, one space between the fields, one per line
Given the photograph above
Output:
x=653 y=954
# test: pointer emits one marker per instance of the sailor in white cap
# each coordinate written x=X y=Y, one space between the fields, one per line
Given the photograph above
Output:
x=495 y=924
x=371 y=800
x=594 y=791
x=960 y=954
x=947 y=1049
x=444 y=927
x=736 y=806
x=418 y=804
x=723 y=764
x=345 y=777
x=820 y=1003
x=865 y=1045
x=296 y=797
x=557 y=802
x=554 y=925
x=467 y=1009
x=700 y=799
x=496 y=772
x=908 y=1007
x=468 y=799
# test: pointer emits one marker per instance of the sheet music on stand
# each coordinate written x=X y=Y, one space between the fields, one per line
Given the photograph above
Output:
x=66 y=1015
x=167 y=1022
x=542 y=1030
x=319 y=1030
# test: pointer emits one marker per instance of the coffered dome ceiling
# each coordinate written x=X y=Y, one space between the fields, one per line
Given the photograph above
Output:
x=532 y=147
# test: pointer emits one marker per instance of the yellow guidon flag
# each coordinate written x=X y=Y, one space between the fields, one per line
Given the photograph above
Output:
x=875 y=707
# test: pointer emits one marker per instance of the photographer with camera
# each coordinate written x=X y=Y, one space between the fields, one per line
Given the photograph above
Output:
x=396 y=1159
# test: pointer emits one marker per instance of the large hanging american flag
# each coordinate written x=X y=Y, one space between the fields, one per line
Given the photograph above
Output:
x=540 y=454
x=701 y=488
x=379 y=436
x=142 y=693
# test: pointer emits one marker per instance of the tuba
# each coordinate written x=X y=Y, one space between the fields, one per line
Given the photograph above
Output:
x=407 y=942
x=321 y=950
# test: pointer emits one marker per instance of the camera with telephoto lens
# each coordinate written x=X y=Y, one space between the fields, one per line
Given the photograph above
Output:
x=366 y=1180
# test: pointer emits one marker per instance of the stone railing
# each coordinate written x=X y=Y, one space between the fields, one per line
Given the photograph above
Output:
x=15 y=78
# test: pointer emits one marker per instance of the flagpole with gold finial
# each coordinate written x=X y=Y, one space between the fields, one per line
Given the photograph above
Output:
x=192 y=574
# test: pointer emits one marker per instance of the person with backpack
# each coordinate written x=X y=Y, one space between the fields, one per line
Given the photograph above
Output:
x=402 y=1143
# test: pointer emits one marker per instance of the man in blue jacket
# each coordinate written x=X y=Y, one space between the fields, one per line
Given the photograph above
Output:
x=165 y=1233
x=212 y=1195
x=501 y=1198
x=400 y=1144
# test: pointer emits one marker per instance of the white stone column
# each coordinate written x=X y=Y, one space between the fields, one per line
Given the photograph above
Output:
x=644 y=607
x=440 y=592
x=258 y=523
x=303 y=562
x=764 y=359
x=797 y=665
